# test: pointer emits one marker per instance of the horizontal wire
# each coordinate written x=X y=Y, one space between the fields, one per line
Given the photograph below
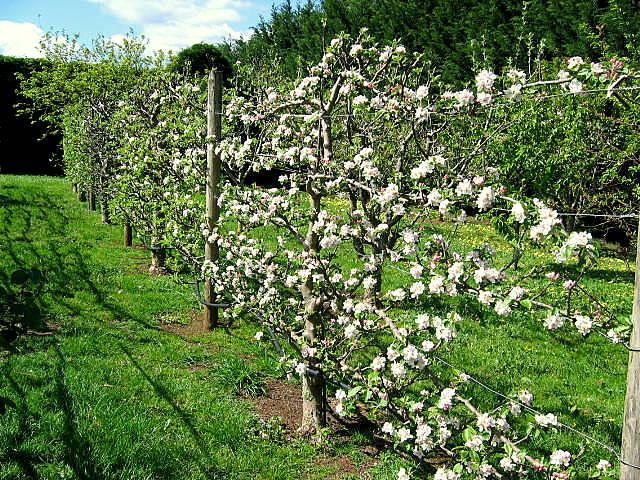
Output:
x=588 y=437
x=530 y=409
x=281 y=352
x=490 y=106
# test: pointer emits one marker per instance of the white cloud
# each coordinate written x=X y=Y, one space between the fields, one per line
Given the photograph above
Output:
x=20 y=39
x=175 y=24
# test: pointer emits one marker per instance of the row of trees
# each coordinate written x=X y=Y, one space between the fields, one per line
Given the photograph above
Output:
x=377 y=165
x=495 y=34
x=560 y=162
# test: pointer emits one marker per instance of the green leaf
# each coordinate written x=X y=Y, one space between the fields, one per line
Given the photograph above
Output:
x=468 y=433
x=354 y=391
x=527 y=304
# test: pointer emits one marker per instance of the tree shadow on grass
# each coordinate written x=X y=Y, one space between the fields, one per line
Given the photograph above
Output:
x=204 y=462
x=39 y=236
x=37 y=233
x=14 y=452
x=77 y=452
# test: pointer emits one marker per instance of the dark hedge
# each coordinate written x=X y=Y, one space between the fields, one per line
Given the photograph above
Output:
x=25 y=144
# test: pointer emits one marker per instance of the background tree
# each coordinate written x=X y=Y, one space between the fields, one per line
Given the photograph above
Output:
x=456 y=36
x=199 y=59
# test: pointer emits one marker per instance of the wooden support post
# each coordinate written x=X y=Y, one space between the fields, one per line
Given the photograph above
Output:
x=631 y=426
x=214 y=131
x=92 y=201
x=128 y=235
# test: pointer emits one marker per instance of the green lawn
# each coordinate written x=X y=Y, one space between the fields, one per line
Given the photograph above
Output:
x=113 y=395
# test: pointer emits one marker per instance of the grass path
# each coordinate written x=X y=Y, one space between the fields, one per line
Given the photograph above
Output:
x=111 y=395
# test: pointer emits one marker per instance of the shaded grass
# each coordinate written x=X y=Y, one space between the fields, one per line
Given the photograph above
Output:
x=111 y=395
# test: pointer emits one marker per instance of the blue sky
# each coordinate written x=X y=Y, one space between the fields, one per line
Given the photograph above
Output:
x=168 y=24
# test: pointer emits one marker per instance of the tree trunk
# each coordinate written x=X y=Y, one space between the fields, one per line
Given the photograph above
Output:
x=357 y=242
x=104 y=208
x=372 y=294
x=92 y=201
x=314 y=412
x=128 y=235
x=158 y=261
x=314 y=416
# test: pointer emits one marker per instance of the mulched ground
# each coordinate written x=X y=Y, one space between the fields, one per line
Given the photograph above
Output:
x=281 y=400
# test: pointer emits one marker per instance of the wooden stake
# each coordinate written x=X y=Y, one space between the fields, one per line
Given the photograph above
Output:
x=631 y=426
x=214 y=131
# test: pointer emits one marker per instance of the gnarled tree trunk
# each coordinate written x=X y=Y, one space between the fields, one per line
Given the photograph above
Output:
x=128 y=235
x=314 y=415
x=158 y=260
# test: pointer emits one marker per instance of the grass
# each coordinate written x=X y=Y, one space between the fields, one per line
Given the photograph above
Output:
x=111 y=395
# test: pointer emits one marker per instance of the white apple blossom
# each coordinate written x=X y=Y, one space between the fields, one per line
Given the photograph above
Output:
x=575 y=86
x=486 y=198
x=378 y=363
x=583 y=324
x=554 y=321
x=485 y=80
x=574 y=62
x=403 y=475
x=446 y=398
x=464 y=187
x=560 y=458
x=518 y=212
x=547 y=420
x=464 y=98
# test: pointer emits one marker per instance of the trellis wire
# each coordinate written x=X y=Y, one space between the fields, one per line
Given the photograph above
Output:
x=530 y=409
x=278 y=346
x=599 y=332
x=491 y=106
x=578 y=214
x=597 y=215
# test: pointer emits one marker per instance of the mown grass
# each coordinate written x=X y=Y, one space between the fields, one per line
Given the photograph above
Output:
x=110 y=395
